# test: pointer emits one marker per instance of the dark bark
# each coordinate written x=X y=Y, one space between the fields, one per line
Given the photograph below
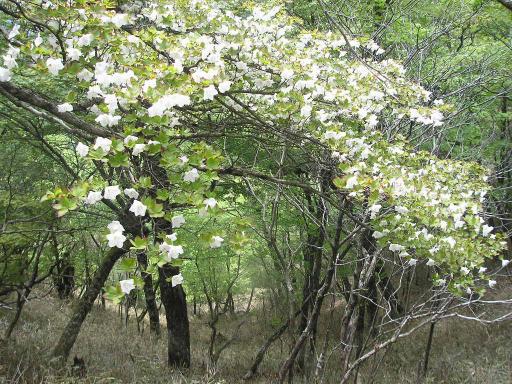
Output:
x=149 y=294
x=175 y=303
x=506 y=3
x=70 y=333
x=64 y=277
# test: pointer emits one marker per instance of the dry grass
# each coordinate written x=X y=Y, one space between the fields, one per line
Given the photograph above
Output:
x=461 y=353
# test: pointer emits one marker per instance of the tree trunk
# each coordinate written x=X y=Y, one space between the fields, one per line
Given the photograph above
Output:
x=175 y=304
x=70 y=333
x=149 y=294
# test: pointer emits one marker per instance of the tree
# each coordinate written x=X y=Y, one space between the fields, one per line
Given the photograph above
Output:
x=165 y=96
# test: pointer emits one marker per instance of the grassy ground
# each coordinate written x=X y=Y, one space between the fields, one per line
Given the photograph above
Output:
x=462 y=352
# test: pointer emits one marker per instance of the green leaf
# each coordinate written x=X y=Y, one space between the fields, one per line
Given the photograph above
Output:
x=128 y=264
x=139 y=243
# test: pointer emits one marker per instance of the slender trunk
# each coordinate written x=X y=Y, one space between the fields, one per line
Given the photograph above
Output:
x=149 y=295
x=427 y=351
x=70 y=333
x=248 y=308
x=175 y=303
x=20 y=302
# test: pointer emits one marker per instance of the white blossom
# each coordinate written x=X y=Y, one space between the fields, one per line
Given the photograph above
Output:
x=176 y=280
x=66 y=107
x=138 y=208
x=131 y=193
x=191 y=176
x=351 y=182
x=492 y=283
x=216 y=242
x=138 y=149
x=210 y=203
x=224 y=86
x=396 y=247
x=102 y=143
x=177 y=221
x=82 y=149
x=5 y=74
x=107 y=120
x=14 y=32
x=505 y=262
x=111 y=192
x=486 y=229
x=54 y=65
x=85 y=40
x=93 y=197
x=84 y=75
x=127 y=286
x=374 y=209
x=210 y=92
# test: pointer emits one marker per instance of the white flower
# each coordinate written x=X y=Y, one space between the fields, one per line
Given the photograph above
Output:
x=54 y=65
x=374 y=209
x=14 y=32
x=450 y=240
x=482 y=270
x=73 y=53
x=210 y=202
x=116 y=239
x=111 y=192
x=102 y=143
x=287 y=74
x=82 y=149
x=119 y=19
x=166 y=102
x=351 y=182
x=441 y=282
x=305 y=111
x=183 y=159
x=210 y=92
x=224 y=86
x=191 y=175
x=38 y=40
x=138 y=149
x=173 y=251
x=85 y=40
x=486 y=229
x=504 y=262
x=66 y=107
x=106 y=120
x=127 y=285
x=464 y=270
x=431 y=262
x=377 y=234
x=172 y=237
x=138 y=208
x=128 y=139
x=177 y=280
x=93 y=197
x=396 y=247
x=177 y=221
x=131 y=193
x=115 y=226
x=84 y=75
x=492 y=283
x=151 y=83
x=5 y=74
x=412 y=262
x=216 y=242
x=401 y=209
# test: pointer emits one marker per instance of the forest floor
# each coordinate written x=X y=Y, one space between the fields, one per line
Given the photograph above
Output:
x=462 y=352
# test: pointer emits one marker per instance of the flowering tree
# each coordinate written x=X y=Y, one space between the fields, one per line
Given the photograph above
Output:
x=158 y=93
